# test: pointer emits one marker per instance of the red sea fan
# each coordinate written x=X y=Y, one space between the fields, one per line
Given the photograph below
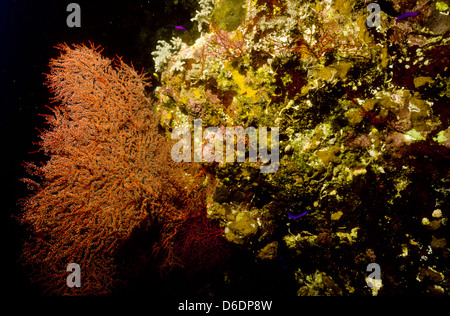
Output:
x=108 y=170
x=200 y=244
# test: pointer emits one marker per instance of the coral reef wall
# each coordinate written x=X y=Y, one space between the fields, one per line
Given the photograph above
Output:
x=362 y=110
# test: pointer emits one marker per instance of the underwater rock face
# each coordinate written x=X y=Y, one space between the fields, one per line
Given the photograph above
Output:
x=364 y=139
x=317 y=284
x=241 y=229
x=268 y=252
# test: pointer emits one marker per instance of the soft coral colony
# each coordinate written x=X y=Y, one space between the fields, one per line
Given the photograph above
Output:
x=364 y=148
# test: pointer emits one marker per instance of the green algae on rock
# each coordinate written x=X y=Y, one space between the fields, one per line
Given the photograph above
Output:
x=228 y=14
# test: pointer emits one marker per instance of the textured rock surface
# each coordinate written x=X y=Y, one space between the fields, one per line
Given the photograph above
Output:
x=364 y=142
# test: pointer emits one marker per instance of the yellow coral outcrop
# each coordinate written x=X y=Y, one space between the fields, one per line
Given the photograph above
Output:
x=240 y=82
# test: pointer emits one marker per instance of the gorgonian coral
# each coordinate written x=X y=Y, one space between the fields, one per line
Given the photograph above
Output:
x=109 y=173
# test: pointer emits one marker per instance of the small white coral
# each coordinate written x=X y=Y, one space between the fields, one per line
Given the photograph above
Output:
x=164 y=52
x=202 y=16
x=177 y=66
